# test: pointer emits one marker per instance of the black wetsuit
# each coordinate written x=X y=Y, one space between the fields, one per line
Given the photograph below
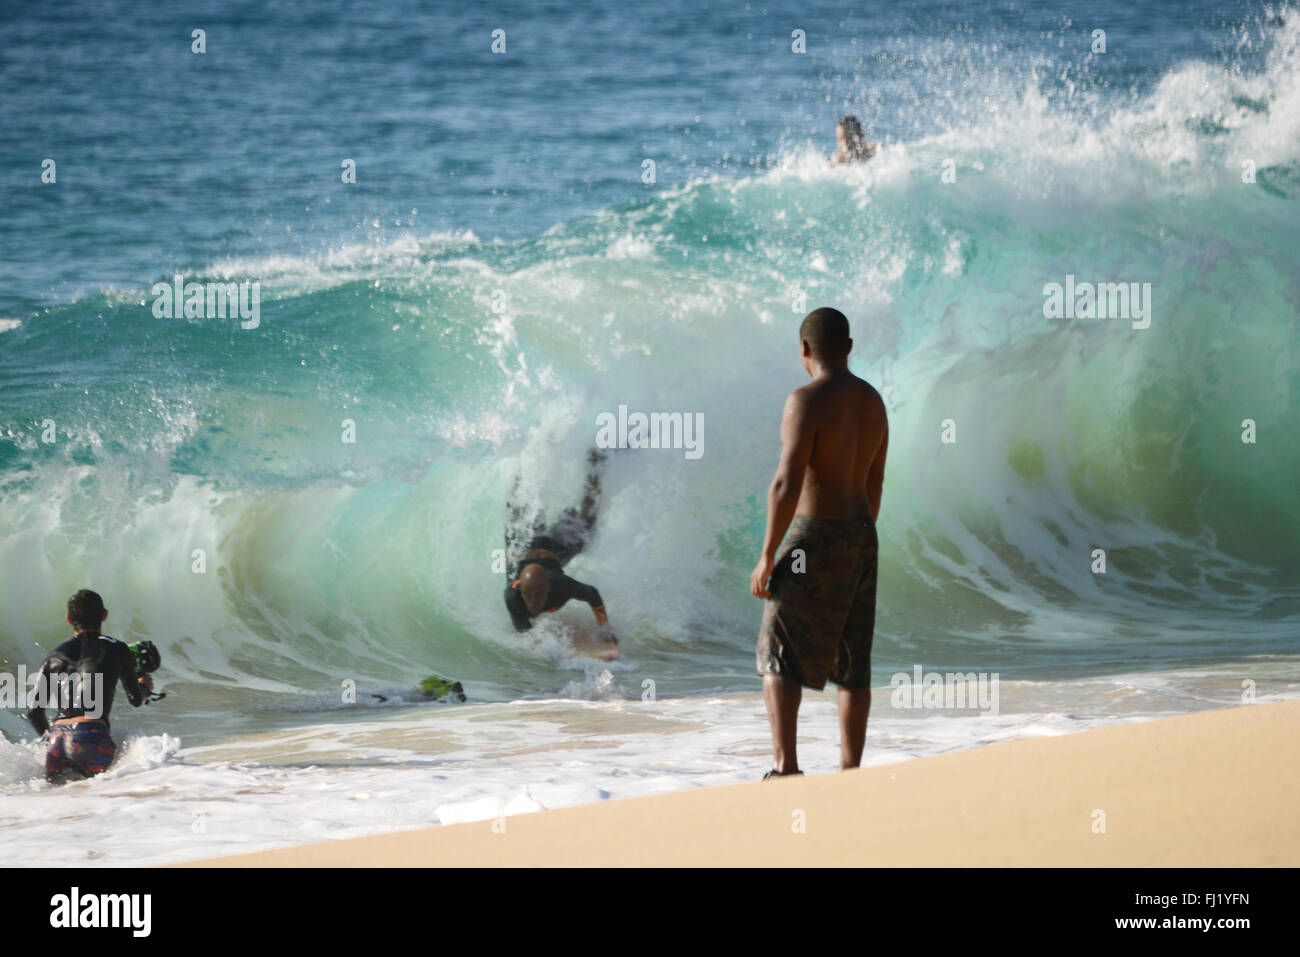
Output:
x=564 y=539
x=563 y=588
x=88 y=654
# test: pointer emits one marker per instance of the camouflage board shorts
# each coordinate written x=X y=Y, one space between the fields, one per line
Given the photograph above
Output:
x=819 y=622
x=79 y=750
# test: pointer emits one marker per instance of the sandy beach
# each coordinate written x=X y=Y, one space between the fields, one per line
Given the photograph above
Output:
x=1212 y=789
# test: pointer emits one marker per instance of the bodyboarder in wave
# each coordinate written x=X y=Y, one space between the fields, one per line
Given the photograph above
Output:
x=536 y=583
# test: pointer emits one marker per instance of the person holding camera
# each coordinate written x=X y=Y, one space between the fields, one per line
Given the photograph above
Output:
x=78 y=681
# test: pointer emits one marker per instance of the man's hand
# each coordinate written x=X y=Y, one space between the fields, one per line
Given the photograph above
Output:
x=758 y=580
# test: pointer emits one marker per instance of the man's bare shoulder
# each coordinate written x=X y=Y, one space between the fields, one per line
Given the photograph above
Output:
x=873 y=396
x=864 y=399
x=836 y=388
x=801 y=398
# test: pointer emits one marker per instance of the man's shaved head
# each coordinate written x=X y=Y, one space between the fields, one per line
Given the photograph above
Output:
x=826 y=331
x=534 y=587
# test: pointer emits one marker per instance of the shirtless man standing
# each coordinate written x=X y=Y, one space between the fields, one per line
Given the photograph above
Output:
x=821 y=604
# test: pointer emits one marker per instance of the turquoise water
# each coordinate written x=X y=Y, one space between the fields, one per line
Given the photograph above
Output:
x=500 y=275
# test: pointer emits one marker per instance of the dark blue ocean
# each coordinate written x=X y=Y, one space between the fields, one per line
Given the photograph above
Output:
x=170 y=160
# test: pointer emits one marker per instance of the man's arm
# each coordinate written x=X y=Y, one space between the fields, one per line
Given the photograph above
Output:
x=587 y=593
x=797 y=437
x=518 y=612
x=876 y=474
x=127 y=676
x=36 y=715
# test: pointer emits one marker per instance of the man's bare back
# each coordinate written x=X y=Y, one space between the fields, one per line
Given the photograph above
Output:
x=834 y=436
x=846 y=419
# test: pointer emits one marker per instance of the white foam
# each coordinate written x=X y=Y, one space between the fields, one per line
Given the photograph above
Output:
x=414 y=768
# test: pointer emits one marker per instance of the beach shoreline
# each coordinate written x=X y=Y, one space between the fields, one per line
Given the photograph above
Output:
x=1207 y=789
